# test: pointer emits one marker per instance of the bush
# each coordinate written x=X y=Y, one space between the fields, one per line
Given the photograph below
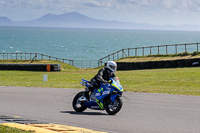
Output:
x=183 y=54
x=195 y=53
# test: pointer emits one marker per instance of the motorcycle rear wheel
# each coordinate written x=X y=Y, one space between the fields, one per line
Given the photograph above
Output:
x=78 y=105
x=113 y=107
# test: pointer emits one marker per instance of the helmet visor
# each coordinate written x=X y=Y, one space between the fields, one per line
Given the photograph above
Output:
x=114 y=68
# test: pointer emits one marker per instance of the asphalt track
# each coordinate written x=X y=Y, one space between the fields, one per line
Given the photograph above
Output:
x=141 y=112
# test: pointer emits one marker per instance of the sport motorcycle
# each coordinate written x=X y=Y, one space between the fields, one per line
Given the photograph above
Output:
x=107 y=97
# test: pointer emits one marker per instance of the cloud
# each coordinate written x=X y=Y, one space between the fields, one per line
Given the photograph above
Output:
x=96 y=3
x=125 y=10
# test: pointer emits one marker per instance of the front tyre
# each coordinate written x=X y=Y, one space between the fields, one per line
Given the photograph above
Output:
x=77 y=104
x=113 y=107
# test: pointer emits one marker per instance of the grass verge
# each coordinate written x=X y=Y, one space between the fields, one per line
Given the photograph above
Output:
x=5 y=129
x=184 y=81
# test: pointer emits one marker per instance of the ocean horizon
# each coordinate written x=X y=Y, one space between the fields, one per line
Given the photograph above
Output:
x=86 y=44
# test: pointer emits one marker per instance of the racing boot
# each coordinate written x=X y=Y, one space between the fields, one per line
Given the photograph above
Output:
x=99 y=98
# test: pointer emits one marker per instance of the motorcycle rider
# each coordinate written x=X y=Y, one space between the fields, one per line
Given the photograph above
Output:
x=103 y=76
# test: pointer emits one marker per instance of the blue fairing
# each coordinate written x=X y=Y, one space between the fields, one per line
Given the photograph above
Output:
x=113 y=97
x=112 y=90
x=92 y=105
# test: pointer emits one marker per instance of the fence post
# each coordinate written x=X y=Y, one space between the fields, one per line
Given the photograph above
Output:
x=143 y=51
x=128 y=52
x=21 y=56
x=197 y=47
x=135 y=51
x=3 y=56
x=113 y=56
x=166 y=50
x=185 y=48
x=16 y=56
x=7 y=56
x=11 y=56
x=158 y=50
x=122 y=53
x=150 y=50
x=176 y=48
x=118 y=55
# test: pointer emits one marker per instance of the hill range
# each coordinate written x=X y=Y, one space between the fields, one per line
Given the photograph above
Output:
x=77 y=20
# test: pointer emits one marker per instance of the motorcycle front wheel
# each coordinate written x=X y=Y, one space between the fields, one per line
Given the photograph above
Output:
x=113 y=107
x=78 y=105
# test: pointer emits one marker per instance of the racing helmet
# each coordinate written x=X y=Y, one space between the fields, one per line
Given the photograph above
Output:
x=111 y=65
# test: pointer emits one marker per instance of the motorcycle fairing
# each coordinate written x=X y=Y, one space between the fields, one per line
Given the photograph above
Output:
x=92 y=105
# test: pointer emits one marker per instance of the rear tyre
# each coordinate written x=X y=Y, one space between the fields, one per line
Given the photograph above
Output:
x=79 y=105
x=113 y=107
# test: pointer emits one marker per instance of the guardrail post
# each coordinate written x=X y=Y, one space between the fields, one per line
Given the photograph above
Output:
x=122 y=53
x=150 y=50
x=166 y=50
x=118 y=55
x=185 y=48
x=143 y=51
x=135 y=51
x=128 y=52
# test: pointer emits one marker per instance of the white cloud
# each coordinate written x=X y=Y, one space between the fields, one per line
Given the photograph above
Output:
x=150 y=11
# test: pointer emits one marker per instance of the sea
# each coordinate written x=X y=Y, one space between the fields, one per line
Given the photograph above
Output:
x=86 y=44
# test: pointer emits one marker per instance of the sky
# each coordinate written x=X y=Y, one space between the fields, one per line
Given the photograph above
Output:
x=158 y=12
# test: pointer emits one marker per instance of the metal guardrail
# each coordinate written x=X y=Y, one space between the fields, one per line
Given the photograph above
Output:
x=38 y=56
x=129 y=52
x=151 y=50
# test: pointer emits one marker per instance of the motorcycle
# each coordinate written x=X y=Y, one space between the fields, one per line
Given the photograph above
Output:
x=107 y=97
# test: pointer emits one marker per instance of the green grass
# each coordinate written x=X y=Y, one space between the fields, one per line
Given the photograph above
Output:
x=184 y=81
x=5 y=129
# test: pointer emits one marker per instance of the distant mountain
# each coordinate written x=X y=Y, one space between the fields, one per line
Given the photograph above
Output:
x=4 y=20
x=77 y=20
